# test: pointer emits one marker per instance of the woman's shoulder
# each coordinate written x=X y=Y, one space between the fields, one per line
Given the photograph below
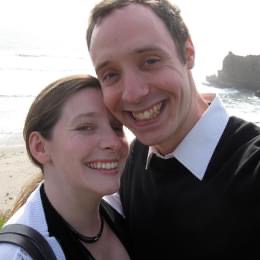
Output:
x=21 y=216
x=29 y=212
x=13 y=252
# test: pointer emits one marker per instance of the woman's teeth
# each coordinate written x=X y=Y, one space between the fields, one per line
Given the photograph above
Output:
x=103 y=165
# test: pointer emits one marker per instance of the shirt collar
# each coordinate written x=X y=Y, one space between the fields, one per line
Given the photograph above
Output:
x=196 y=149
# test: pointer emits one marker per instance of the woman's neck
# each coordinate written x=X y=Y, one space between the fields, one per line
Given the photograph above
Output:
x=78 y=209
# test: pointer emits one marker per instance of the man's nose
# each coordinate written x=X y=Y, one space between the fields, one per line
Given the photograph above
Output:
x=134 y=88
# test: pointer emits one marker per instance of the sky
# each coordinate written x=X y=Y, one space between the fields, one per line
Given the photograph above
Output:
x=216 y=27
x=220 y=26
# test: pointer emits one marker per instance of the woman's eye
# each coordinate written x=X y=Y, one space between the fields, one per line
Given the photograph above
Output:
x=85 y=128
x=119 y=130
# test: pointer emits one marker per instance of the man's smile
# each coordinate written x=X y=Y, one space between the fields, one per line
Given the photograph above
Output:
x=148 y=114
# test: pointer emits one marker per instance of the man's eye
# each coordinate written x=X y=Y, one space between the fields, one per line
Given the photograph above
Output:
x=109 y=77
x=152 y=61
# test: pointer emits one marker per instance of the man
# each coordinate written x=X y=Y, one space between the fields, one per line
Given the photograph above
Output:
x=191 y=186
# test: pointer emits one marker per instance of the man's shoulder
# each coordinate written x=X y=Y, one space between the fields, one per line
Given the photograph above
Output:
x=238 y=127
x=239 y=145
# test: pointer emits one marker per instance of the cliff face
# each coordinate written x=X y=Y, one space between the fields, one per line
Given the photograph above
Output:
x=238 y=72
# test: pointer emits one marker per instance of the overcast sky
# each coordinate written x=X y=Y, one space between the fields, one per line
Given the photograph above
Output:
x=216 y=26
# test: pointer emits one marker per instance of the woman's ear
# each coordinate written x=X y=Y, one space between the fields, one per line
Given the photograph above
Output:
x=190 y=53
x=37 y=145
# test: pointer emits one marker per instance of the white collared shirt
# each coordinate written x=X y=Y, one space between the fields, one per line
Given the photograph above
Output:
x=196 y=149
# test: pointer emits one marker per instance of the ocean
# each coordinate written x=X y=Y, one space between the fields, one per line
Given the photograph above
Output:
x=24 y=74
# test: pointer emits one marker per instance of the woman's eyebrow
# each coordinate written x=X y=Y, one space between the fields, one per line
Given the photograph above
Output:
x=85 y=115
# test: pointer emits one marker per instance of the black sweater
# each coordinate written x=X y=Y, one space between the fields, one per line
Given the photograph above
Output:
x=169 y=212
x=72 y=248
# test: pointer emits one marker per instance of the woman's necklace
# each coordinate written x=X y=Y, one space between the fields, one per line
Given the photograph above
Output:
x=87 y=239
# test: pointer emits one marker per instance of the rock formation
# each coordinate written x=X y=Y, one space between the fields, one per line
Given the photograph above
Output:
x=242 y=72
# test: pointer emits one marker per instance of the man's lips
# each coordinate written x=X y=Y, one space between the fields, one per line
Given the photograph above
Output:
x=148 y=114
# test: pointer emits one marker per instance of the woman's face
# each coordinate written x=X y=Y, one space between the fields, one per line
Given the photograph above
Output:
x=88 y=148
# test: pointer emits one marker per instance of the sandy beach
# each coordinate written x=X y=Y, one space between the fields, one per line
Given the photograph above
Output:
x=15 y=171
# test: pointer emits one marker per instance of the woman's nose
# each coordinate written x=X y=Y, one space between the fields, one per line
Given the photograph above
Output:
x=111 y=140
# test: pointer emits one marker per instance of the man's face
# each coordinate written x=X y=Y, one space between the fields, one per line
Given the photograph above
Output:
x=144 y=82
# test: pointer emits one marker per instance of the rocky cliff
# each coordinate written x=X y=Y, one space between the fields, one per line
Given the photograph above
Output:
x=238 y=72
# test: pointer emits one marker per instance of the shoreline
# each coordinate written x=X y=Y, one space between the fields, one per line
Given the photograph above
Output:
x=16 y=170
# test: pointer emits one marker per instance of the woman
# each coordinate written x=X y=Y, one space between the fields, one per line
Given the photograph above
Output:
x=81 y=149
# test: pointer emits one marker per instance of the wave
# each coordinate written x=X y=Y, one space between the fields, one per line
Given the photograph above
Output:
x=30 y=55
x=40 y=54
x=39 y=69
x=41 y=62
x=27 y=55
x=16 y=96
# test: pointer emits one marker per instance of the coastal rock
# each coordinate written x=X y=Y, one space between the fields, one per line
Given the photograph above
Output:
x=241 y=72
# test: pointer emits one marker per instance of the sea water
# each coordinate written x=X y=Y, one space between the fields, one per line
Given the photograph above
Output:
x=24 y=74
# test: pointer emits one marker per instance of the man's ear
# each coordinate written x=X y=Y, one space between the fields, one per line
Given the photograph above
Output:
x=189 y=53
x=37 y=145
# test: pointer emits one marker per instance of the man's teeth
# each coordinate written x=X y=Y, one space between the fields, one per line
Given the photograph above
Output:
x=103 y=165
x=148 y=114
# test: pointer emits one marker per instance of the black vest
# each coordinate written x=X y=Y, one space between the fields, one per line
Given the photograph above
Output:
x=170 y=213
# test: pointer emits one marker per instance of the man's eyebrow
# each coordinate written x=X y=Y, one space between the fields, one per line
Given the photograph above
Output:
x=102 y=65
x=147 y=49
x=137 y=50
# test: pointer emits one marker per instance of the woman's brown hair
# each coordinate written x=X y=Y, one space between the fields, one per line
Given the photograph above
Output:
x=46 y=109
x=43 y=115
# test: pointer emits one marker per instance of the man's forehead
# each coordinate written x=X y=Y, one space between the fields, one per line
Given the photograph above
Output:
x=129 y=13
x=122 y=22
